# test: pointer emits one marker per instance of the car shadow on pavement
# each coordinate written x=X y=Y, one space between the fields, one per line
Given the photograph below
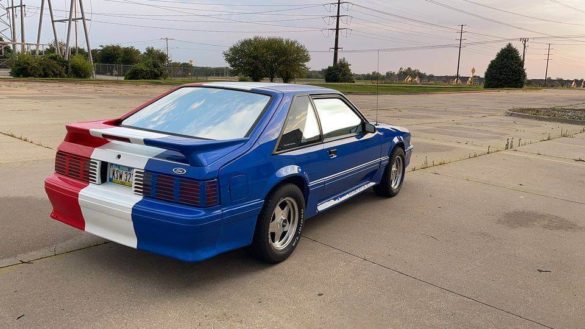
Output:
x=158 y=273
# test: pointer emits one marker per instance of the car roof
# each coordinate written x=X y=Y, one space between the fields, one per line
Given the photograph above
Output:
x=269 y=86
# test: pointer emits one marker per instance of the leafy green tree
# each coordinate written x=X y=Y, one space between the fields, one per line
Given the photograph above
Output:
x=130 y=56
x=109 y=54
x=155 y=55
x=506 y=70
x=292 y=60
x=115 y=54
x=261 y=57
x=247 y=57
x=340 y=72
x=6 y=51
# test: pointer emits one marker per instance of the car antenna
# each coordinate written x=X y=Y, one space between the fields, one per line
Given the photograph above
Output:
x=377 y=87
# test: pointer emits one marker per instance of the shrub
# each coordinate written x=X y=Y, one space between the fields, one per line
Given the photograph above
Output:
x=339 y=72
x=147 y=70
x=25 y=65
x=52 y=66
x=79 y=67
x=506 y=70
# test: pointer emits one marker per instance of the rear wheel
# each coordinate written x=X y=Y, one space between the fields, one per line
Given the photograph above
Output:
x=279 y=225
x=393 y=175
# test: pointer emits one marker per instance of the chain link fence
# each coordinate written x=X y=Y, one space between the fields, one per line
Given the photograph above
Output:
x=118 y=71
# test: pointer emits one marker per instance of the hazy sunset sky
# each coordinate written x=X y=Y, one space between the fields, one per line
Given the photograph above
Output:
x=203 y=29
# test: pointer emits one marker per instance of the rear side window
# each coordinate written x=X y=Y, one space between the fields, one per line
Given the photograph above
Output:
x=301 y=127
x=337 y=118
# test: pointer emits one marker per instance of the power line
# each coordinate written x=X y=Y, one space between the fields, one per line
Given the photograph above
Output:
x=568 y=6
x=522 y=15
x=440 y=4
x=219 y=12
x=234 y=4
x=406 y=18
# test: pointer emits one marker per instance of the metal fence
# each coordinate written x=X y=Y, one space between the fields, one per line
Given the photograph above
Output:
x=118 y=71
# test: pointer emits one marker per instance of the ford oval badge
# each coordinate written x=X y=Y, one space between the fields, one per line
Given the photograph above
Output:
x=180 y=171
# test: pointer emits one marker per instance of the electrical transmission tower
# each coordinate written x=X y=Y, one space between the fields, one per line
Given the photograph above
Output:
x=11 y=10
x=337 y=29
x=71 y=20
x=5 y=26
x=457 y=81
x=57 y=48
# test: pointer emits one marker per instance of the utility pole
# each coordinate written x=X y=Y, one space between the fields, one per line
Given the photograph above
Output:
x=547 y=60
x=337 y=17
x=166 y=39
x=336 y=47
x=459 y=56
x=524 y=41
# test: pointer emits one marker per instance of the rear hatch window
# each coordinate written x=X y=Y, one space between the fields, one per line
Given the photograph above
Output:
x=208 y=113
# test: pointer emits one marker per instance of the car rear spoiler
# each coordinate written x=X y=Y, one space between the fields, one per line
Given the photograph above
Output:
x=198 y=152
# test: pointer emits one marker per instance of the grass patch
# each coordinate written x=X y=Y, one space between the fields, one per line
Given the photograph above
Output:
x=575 y=114
x=396 y=89
x=346 y=88
x=167 y=82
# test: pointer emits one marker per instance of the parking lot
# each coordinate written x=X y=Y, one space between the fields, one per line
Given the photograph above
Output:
x=488 y=231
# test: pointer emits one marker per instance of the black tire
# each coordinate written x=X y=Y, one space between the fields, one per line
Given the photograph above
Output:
x=385 y=188
x=264 y=246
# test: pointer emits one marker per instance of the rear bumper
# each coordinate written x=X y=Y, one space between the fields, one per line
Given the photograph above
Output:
x=182 y=232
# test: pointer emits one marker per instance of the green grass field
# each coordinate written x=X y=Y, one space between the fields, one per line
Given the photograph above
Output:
x=396 y=89
x=347 y=88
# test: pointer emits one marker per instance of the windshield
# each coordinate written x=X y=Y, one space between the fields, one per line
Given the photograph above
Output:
x=210 y=113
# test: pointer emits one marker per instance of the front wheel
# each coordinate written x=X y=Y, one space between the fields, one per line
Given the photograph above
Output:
x=279 y=225
x=393 y=175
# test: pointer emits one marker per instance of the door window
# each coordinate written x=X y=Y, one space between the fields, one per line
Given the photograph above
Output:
x=337 y=118
x=301 y=127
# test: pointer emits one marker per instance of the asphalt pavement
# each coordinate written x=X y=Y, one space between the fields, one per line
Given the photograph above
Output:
x=481 y=236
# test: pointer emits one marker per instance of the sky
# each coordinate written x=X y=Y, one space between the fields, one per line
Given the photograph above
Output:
x=421 y=34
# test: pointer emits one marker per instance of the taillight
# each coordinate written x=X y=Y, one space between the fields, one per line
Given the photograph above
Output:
x=72 y=166
x=176 y=189
x=211 y=193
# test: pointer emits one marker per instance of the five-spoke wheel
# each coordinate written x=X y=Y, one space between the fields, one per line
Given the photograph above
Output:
x=279 y=225
x=393 y=175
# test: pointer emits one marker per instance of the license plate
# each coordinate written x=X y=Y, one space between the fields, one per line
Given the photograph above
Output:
x=120 y=174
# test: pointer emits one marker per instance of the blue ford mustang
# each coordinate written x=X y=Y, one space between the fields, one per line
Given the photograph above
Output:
x=207 y=168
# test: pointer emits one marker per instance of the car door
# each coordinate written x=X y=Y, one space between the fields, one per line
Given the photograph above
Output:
x=300 y=144
x=353 y=155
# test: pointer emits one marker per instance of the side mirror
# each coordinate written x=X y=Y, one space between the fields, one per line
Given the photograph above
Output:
x=369 y=128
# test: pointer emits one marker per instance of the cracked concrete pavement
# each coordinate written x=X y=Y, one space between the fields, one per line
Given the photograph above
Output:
x=474 y=240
